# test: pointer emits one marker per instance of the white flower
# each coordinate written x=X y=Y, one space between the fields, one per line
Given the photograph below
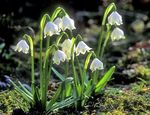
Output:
x=117 y=34
x=96 y=65
x=58 y=22
x=115 y=18
x=22 y=46
x=67 y=23
x=59 y=56
x=82 y=48
x=66 y=48
x=50 y=29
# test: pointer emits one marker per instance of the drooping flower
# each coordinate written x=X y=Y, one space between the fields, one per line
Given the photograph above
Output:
x=96 y=65
x=22 y=46
x=58 y=22
x=115 y=18
x=67 y=23
x=117 y=34
x=66 y=48
x=50 y=29
x=82 y=48
x=59 y=56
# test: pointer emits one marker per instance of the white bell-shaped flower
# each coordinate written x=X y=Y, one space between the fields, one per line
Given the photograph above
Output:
x=117 y=34
x=58 y=22
x=96 y=65
x=59 y=56
x=82 y=48
x=66 y=48
x=22 y=46
x=50 y=29
x=67 y=23
x=115 y=18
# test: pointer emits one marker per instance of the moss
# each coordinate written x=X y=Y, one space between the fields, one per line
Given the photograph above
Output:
x=127 y=101
x=10 y=100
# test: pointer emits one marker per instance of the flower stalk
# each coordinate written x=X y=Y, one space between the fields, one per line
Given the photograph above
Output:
x=32 y=63
x=101 y=36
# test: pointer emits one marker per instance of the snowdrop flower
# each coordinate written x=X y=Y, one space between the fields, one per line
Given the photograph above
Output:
x=22 y=46
x=66 y=48
x=58 y=22
x=59 y=56
x=50 y=29
x=67 y=23
x=96 y=65
x=82 y=48
x=117 y=34
x=115 y=18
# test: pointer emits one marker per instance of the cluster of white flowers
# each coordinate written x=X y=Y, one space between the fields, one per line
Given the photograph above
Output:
x=81 y=48
x=52 y=28
x=115 y=19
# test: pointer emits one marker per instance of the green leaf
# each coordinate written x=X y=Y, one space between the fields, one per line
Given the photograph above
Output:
x=64 y=103
x=24 y=94
x=79 y=90
x=24 y=89
x=68 y=89
x=101 y=84
x=88 y=89
x=61 y=77
x=37 y=95
x=54 y=98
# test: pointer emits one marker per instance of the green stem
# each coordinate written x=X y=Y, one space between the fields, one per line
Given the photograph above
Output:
x=79 y=67
x=94 y=75
x=32 y=73
x=74 y=75
x=45 y=80
x=66 y=69
x=105 y=42
x=72 y=63
x=107 y=11
x=32 y=63
x=41 y=73
x=46 y=70
x=100 y=40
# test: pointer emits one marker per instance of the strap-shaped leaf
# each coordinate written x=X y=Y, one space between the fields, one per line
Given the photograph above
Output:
x=54 y=98
x=24 y=89
x=88 y=88
x=101 y=84
x=63 y=103
x=61 y=77
x=37 y=95
x=68 y=89
x=21 y=92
